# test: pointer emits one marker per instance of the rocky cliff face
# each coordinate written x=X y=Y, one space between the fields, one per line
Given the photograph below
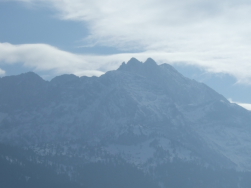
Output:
x=147 y=114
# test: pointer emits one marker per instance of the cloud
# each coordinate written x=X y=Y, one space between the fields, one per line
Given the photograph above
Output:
x=244 y=105
x=2 y=72
x=212 y=34
x=44 y=57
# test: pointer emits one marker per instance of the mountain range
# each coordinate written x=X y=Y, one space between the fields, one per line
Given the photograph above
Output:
x=143 y=118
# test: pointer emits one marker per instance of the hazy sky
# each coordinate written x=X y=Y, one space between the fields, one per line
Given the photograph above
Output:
x=87 y=37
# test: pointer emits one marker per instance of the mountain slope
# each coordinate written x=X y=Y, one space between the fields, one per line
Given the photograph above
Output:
x=19 y=171
x=149 y=115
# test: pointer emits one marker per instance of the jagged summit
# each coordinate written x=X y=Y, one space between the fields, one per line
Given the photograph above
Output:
x=150 y=61
x=149 y=68
x=132 y=64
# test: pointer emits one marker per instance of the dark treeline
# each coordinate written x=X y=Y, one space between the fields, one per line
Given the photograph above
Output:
x=18 y=172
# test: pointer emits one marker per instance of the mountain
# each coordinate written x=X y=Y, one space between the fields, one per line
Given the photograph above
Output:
x=142 y=115
x=23 y=168
x=19 y=171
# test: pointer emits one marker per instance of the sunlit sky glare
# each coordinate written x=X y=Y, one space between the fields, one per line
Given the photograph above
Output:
x=209 y=41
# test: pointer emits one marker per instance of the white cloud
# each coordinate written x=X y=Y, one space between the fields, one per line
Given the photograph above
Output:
x=2 y=72
x=213 y=34
x=43 y=57
x=46 y=57
x=244 y=105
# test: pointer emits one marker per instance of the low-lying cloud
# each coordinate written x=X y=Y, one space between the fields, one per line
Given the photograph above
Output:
x=212 y=34
x=244 y=105
x=2 y=72
x=43 y=57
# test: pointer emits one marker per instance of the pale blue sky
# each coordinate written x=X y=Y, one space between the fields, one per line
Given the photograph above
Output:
x=211 y=38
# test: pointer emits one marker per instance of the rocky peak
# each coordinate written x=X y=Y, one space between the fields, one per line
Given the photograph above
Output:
x=150 y=62
x=132 y=65
x=148 y=68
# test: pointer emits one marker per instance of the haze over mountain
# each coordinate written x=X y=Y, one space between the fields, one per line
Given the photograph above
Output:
x=144 y=116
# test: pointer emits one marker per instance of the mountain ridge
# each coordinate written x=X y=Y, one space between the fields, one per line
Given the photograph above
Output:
x=146 y=114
